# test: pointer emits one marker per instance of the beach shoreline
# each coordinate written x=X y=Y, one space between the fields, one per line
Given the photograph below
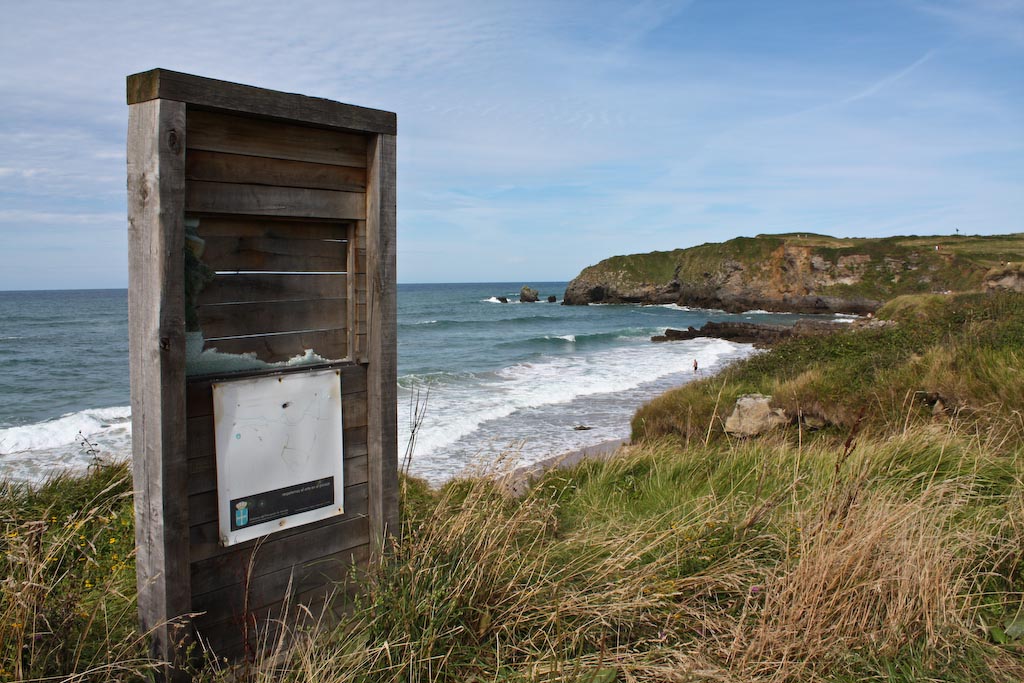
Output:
x=518 y=481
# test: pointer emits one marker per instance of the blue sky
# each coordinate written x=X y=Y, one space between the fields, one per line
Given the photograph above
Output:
x=536 y=138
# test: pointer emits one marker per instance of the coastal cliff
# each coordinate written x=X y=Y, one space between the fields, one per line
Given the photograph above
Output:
x=802 y=273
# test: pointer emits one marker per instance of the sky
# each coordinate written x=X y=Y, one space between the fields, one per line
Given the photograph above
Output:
x=536 y=138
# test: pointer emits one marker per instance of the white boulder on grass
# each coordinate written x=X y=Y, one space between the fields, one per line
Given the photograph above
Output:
x=754 y=415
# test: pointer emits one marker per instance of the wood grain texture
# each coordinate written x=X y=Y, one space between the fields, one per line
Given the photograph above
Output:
x=278 y=182
x=156 y=312
x=270 y=287
x=382 y=361
x=275 y=587
x=208 y=92
x=215 y=132
x=236 y=168
x=277 y=553
x=264 y=200
x=320 y=606
x=275 y=228
x=273 y=254
x=199 y=393
x=266 y=317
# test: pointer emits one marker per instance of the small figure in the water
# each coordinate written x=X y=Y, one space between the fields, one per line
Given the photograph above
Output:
x=695 y=365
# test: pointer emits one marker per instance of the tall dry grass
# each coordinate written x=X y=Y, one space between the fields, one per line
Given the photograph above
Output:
x=890 y=559
x=67 y=599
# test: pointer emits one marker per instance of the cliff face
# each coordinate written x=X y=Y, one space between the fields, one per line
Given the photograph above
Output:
x=800 y=273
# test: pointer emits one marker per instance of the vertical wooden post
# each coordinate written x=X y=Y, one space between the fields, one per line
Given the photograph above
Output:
x=381 y=380
x=156 y=318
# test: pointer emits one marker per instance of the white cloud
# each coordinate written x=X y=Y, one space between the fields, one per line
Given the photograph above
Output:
x=546 y=132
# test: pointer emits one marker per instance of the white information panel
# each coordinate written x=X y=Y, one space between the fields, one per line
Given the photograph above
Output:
x=279 y=452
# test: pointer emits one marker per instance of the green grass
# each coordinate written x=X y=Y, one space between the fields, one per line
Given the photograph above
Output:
x=886 y=547
x=964 y=350
x=67 y=602
x=898 y=265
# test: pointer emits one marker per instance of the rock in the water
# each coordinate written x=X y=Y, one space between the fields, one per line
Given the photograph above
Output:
x=762 y=335
x=552 y=299
x=503 y=299
x=582 y=428
x=528 y=294
x=744 y=333
x=754 y=415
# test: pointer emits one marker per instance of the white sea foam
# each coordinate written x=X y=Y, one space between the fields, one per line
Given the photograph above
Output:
x=108 y=429
x=63 y=430
x=457 y=409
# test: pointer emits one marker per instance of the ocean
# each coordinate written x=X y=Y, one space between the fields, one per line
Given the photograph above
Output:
x=492 y=380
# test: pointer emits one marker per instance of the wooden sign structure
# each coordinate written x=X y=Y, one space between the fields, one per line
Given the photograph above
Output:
x=261 y=243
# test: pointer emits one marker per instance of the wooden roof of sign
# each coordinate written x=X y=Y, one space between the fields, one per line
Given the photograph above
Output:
x=215 y=94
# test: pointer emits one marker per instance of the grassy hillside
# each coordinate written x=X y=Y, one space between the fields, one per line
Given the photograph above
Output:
x=963 y=350
x=885 y=547
x=896 y=265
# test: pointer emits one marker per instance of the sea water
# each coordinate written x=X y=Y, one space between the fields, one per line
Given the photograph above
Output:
x=489 y=379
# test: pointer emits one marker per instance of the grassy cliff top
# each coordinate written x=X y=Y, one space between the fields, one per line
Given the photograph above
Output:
x=961 y=349
x=960 y=261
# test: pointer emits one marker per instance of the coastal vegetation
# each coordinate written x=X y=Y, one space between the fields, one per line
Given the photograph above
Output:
x=798 y=272
x=876 y=537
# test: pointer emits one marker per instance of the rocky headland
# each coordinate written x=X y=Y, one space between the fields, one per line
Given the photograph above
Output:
x=800 y=273
x=763 y=335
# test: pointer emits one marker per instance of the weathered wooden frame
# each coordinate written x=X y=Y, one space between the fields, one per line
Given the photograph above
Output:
x=159 y=101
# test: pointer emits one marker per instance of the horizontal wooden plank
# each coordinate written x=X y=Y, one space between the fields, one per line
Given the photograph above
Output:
x=240 y=168
x=219 y=132
x=241 y=287
x=223 y=633
x=266 y=200
x=276 y=554
x=266 y=317
x=273 y=254
x=204 y=537
x=199 y=394
x=275 y=228
x=209 y=92
x=274 y=588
